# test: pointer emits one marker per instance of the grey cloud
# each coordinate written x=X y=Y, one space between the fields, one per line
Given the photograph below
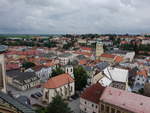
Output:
x=74 y=16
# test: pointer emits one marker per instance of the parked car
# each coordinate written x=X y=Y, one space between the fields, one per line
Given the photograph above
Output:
x=34 y=96
x=37 y=94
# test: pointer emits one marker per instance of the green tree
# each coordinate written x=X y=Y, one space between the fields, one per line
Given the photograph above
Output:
x=80 y=78
x=41 y=110
x=58 y=106
x=57 y=71
x=27 y=65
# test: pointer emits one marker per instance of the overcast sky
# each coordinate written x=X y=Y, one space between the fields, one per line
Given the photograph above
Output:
x=74 y=16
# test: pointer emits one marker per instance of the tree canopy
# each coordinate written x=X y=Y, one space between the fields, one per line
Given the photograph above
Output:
x=27 y=65
x=57 y=71
x=56 y=106
x=80 y=78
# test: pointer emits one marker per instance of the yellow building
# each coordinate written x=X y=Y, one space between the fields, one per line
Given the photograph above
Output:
x=99 y=49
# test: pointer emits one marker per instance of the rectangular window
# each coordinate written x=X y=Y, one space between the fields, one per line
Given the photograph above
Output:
x=118 y=111
x=102 y=107
x=107 y=109
x=112 y=110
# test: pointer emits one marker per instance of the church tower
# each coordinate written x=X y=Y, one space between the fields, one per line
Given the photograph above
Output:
x=69 y=70
x=99 y=49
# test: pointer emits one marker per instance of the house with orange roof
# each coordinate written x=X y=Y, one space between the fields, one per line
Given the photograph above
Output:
x=82 y=62
x=118 y=59
x=63 y=85
x=107 y=57
x=86 y=49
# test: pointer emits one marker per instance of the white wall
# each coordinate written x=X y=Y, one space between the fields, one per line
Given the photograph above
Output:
x=52 y=93
x=2 y=61
x=88 y=106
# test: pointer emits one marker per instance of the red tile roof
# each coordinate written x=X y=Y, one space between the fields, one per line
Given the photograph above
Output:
x=124 y=42
x=29 y=52
x=49 y=64
x=58 y=81
x=83 y=53
x=93 y=93
x=142 y=73
x=108 y=55
x=82 y=62
x=118 y=59
x=12 y=66
x=86 y=48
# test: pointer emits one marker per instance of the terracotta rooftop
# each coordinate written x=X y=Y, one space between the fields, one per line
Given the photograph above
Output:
x=83 y=53
x=82 y=62
x=130 y=101
x=86 y=48
x=108 y=55
x=118 y=59
x=93 y=93
x=142 y=73
x=58 y=81
x=12 y=66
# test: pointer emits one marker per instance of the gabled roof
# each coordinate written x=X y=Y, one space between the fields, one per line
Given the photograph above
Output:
x=130 y=101
x=93 y=93
x=108 y=55
x=58 y=81
x=143 y=73
x=12 y=66
x=116 y=74
x=118 y=59
x=86 y=48
x=21 y=76
x=19 y=106
x=82 y=62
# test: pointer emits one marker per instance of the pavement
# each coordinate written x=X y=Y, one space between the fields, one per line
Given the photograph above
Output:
x=16 y=93
x=74 y=105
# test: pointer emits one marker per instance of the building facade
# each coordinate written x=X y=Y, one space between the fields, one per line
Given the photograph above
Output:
x=62 y=85
x=22 y=80
x=126 y=102
x=99 y=49
x=2 y=74
x=89 y=99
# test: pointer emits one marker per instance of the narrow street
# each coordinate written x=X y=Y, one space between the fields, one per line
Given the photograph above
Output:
x=74 y=105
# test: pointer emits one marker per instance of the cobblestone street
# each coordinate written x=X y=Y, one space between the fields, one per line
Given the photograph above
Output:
x=74 y=105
